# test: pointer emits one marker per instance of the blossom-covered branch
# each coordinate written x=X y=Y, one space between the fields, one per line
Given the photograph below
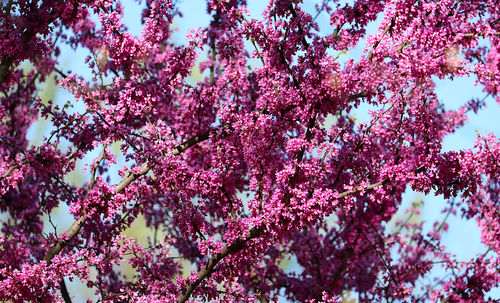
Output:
x=246 y=151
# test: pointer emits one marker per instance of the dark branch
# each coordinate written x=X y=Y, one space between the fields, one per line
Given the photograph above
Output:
x=208 y=269
x=64 y=291
x=4 y=68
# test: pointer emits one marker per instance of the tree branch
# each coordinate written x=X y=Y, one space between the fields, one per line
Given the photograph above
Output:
x=11 y=169
x=74 y=229
x=372 y=186
x=8 y=171
x=190 y=142
x=470 y=35
x=238 y=245
x=208 y=269
x=4 y=67
x=64 y=291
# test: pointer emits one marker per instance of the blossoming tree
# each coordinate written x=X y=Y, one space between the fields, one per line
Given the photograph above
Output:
x=239 y=171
